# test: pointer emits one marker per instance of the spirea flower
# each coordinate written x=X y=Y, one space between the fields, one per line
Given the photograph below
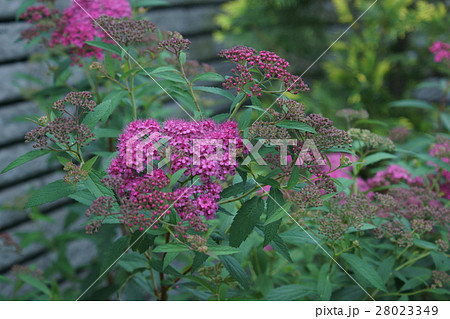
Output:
x=393 y=174
x=65 y=130
x=126 y=31
x=441 y=51
x=76 y=25
x=175 y=44
x=204 y=150
x=371 y=140
x=253 y=68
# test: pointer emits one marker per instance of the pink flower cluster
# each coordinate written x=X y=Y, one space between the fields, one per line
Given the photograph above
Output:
x=393 y=174
x=73 y=27
x=249 y=62
x=144 y=197
x=441 y=150
x=76 y=25
x=441 y=51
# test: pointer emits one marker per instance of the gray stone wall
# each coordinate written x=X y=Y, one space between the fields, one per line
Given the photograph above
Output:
x=193 y=18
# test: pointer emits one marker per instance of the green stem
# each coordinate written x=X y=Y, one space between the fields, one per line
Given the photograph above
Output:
x=131 y=90
x=189 y=84
x=240 y=197
x=411 y=261
x=236 y=108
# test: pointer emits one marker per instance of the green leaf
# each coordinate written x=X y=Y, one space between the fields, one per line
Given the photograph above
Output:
x=244 y=120
x=208 y=76
x=445 y=118
x=365 y=270
x=50 y=193
x=107 y=132
x=258 y=108
x=235 y=270
x=274 y=201
x=425 y=244
x=171 y=248
x=236 y=189
x=84 y=197
x=299 y=237
x=270 y=231
x=324 y=284
x=168 y=75
x=36 y=283
x=412 y=103
x=169 y=258
x=133 y=262
x=279 y=213
x=293 y=180
x=385 y=268
x=380 y=156
x=25 y=158
x=245 y=220
x=214 y=90
x=363 y=227
x=105 y=46
x=176 y=177
x=280 y=247
x=223 y=250
x=294 y=125
x=441 y=262
x=290 y=292
x=115 y=250
x=143 y=243
x=88 y=165
x=100 y=113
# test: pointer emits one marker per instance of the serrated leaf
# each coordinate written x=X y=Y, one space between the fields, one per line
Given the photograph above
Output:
x=279 y=213
x=171 y=248
x=290 y=292
x=365 y=270
x=236 y=270
x=280 y=247
x=270 y=231
x=141 y=242
x=236 y=189
x=50 y=193
x=100 y=113
x=84 y=197
x=245 y=220
x=294 y=125
x=25 y=158
x=295 y=175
